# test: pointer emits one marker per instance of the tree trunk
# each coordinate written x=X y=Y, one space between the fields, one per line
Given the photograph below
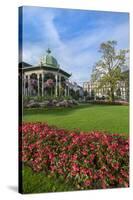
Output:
x=112 y=94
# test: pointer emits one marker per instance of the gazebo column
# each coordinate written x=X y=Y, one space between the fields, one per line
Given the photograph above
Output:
x=65 y=89
x=38 y=85
x=56 y=85
x=42 y=84
x=59 y=85
x=68 y=89
x=25 y=86
x=29 y=86
x=24 y=81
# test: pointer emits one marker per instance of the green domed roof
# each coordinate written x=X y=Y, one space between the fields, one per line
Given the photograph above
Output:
x=49 y=60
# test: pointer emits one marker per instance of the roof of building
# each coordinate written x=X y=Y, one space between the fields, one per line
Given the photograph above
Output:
x=47 y=62
x=24 y=64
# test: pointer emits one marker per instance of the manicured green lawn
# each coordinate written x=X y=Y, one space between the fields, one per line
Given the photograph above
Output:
x=110 y=118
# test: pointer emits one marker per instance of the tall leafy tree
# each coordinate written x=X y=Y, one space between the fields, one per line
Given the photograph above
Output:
x=107 y=71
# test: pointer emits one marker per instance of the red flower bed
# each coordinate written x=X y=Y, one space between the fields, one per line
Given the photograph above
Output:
x=86 y=160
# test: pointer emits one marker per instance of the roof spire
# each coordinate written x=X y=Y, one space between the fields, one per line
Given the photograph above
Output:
x=48 y=51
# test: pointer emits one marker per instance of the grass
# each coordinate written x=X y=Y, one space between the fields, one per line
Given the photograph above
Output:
x=39 y=182
x=113 y=119
x=108 y=118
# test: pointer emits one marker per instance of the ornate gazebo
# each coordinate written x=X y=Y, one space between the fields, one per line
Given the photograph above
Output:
x=47 y=78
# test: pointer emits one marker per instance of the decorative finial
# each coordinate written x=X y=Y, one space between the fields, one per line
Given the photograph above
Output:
x=48 y=51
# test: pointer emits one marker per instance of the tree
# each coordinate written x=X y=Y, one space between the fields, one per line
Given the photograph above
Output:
x=107 y=71
x=118 y=93
x=92 y=94
x=85 y=94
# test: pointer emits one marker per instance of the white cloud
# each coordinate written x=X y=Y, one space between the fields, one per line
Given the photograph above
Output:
x=78 y=54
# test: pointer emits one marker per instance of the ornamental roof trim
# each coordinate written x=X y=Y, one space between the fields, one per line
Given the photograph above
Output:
x=46 y=67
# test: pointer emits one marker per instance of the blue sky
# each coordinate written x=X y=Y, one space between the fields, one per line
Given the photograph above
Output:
x=74 y=36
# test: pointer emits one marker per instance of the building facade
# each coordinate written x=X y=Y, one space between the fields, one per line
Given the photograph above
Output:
x=93 y=90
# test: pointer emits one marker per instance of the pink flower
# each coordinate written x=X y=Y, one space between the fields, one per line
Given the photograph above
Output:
x=75 y=167
x=87 y=183
x=91 y=160
x=115 y=165
x=84 y=152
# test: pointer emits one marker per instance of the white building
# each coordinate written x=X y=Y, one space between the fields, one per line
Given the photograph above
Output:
x=93 y=89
